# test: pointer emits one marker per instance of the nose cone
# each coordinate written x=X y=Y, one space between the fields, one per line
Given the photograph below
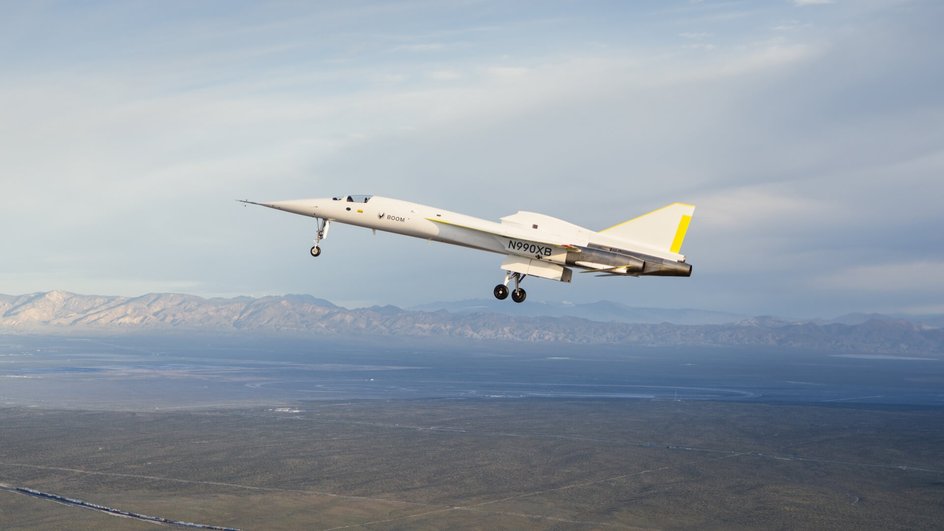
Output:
x=304 y=207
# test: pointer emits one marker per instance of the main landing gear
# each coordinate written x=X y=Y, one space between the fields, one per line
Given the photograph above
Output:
x=320 y=235
x=518 y=294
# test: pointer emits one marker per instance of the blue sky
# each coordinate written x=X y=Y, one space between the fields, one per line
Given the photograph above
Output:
x=809 y=134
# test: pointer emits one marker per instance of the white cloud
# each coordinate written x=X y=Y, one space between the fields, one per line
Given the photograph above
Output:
x=804 y=3
x=761 y=208
x=915 y=276
x=446 y=74
x=790 y=25
x=421 y=47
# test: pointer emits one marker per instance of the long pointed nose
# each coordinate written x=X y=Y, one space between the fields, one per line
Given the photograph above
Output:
x=304 y=207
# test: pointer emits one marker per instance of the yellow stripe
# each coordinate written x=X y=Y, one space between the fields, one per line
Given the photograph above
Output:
x=680 y=233
x=620 y=224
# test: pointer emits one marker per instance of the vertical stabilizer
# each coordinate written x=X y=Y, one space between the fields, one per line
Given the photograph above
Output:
x=662 y=229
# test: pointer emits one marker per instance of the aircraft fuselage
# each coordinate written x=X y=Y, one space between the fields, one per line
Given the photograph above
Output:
x=534 y=244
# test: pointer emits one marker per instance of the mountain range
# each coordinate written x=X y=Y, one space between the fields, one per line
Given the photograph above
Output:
x=59 y=312
x=593 y=311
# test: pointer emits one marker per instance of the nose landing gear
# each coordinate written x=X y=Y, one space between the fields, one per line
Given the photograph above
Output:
x=320 y=235
x=518 y=294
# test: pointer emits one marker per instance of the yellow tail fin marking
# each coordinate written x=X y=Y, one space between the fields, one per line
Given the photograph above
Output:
x=680 y=233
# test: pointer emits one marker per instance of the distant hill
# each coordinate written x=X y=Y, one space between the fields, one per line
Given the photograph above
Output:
x=930 y=321
x=607 y=311
x=60 y=312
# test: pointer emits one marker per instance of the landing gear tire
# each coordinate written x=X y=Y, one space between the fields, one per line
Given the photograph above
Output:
x=501 y=292
x=519 y=295
x=315 y=251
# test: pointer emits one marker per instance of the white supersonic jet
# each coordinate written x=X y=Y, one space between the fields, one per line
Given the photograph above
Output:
x=533 y=244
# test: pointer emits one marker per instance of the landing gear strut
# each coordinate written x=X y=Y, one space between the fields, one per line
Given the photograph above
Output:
x=320 y=235
x=518 y=294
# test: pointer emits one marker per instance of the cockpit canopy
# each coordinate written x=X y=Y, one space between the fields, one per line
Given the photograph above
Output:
x=353 y=198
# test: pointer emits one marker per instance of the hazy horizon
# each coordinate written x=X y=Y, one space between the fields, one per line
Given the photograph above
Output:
x=492 y=305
